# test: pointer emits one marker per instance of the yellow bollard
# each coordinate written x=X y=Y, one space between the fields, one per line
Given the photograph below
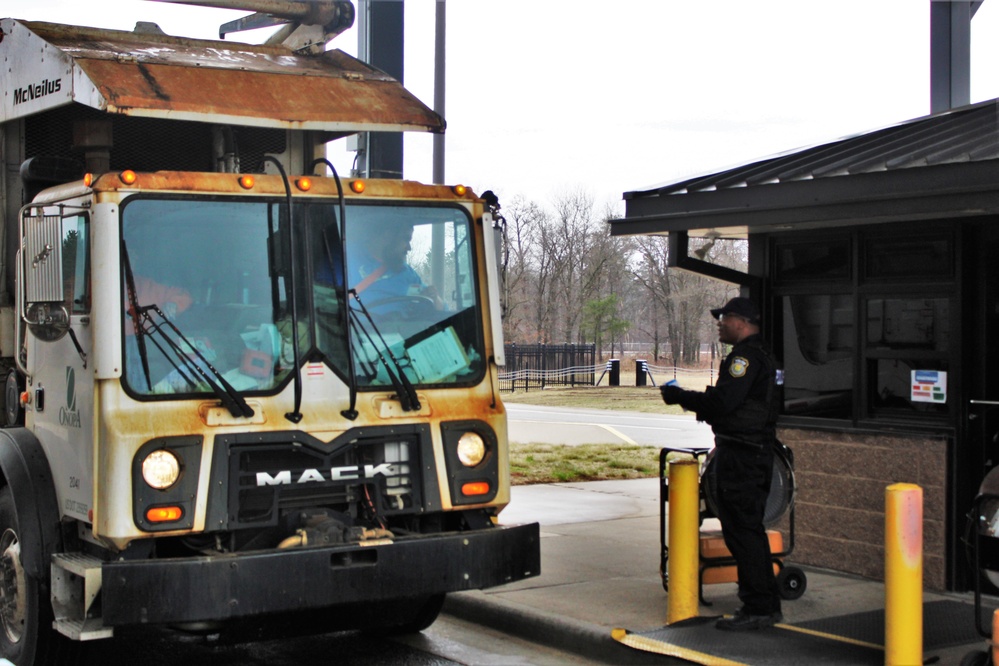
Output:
x=684 y=529
x=903 y=574
x=993 y=646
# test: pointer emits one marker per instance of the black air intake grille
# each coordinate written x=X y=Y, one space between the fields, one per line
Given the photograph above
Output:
x=268 y=479
x=149 y=144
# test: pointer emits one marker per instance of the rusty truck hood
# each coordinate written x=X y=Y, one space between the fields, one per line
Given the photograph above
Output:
x=160 y=76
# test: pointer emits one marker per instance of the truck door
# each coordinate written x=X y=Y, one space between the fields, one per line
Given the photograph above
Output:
x=55 y=309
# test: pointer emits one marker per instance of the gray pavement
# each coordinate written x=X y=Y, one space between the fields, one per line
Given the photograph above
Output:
x=600 y=570
x=564 y=425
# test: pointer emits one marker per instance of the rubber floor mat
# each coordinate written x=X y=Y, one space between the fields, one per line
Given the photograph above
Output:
x=855 y=639
x=945 y=624
x=701 y=643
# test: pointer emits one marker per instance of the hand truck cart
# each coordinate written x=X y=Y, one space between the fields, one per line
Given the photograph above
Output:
x=716 y=562
x=982 y=540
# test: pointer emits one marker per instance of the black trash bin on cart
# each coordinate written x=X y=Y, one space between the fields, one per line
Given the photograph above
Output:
x=716 y=563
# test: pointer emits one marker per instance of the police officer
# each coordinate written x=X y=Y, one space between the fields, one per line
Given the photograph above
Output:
x=742 y=412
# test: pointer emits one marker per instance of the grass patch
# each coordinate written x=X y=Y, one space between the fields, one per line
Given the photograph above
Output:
x=559 y=463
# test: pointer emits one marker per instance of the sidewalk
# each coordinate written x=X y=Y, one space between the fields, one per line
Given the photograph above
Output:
x=600 y=570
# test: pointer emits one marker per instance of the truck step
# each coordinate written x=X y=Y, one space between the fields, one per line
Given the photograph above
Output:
x=83 y=630
x=76 y=581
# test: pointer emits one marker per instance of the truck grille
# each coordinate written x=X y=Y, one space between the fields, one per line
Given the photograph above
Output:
x=268 y=478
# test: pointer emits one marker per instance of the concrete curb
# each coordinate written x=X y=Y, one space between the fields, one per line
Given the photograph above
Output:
x=583 y=638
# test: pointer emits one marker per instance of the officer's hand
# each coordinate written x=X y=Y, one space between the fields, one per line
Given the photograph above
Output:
x=671 y=394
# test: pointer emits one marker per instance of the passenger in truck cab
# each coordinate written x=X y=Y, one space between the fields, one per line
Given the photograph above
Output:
x=171 y=300
x=377 y=267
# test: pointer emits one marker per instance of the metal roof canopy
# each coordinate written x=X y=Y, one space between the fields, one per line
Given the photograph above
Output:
x=943 y=165
x=159 y=76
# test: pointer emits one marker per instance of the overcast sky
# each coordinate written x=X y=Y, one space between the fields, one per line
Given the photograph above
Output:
x=547 y=96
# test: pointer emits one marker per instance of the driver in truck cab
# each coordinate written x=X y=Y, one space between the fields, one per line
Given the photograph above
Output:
x=377 y=267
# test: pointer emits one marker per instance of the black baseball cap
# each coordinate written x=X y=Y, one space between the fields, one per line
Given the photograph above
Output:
x=742 y=307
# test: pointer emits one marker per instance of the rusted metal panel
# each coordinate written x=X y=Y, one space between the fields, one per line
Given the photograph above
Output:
x=232 y=83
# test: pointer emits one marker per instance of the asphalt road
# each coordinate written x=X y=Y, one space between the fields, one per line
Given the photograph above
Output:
x=563 y=425
x=449 y=641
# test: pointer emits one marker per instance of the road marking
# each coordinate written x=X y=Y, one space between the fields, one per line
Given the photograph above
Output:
x=617 y=433
x=611 y=429
x=651 y=417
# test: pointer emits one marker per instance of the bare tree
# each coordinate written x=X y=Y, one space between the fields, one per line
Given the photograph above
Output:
x=567 y=279
x=681 y=298
x=524 y=220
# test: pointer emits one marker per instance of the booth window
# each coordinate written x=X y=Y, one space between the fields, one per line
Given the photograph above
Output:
x=806 y=262
x=868 y=344
x=818 y=355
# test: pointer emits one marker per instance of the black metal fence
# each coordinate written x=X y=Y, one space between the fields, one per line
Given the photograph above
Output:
x=537 y=366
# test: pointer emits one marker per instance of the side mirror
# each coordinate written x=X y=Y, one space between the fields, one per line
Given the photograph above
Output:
x=41 y=262
x=493 y=237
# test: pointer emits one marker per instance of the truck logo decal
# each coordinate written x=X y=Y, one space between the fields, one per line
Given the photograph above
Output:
x=68 y=415
x=37 y=90
x=348 y=473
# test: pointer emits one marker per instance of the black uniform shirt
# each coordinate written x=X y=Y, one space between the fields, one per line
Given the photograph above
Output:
x=741 y=403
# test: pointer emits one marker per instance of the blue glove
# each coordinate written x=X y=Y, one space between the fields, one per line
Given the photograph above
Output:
x=671 y=393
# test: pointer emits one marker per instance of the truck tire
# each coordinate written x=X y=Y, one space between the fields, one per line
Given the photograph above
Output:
x=425 y=614
x=26 y=633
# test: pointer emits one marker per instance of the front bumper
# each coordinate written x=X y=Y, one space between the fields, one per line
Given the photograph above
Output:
x=231 y=586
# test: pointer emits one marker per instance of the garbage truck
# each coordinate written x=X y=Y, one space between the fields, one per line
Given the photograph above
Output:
x=238 y=387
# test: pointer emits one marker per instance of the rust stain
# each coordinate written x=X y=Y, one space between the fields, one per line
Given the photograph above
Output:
x=229 y=82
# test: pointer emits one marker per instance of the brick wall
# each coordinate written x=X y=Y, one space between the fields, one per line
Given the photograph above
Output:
x=839 y=503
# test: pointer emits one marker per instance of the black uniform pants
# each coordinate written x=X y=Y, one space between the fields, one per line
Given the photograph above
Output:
x=743 y=476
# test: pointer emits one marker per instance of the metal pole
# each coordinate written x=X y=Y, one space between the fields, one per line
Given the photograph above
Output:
x=903 y=574
x=440 y=51
x=684 y=541
x=950 y=54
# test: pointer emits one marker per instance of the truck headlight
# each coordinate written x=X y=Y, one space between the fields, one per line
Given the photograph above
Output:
x=471 y=449
x=161 y=469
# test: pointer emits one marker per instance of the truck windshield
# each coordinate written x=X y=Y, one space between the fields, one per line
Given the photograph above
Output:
x=414 y=298
x=219 y=273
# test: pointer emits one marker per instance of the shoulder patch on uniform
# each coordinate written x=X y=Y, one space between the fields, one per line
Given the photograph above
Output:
x=738 y=366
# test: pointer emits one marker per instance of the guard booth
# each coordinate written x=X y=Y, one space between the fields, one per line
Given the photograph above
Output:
x=875 y=261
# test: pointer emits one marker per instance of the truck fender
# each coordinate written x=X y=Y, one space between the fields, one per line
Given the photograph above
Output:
x=25 y=469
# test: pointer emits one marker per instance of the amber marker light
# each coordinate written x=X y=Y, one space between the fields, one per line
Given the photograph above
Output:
x=164 y=514
x=247 y=182
x=128 y=176
x=357 y=186
x=88 y=179
x=475 y=488
x=460 y=190
x=304 y=184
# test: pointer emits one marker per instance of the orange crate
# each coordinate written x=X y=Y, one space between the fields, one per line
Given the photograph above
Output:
x=713 y=548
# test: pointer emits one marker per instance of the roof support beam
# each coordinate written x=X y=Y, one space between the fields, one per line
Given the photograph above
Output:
x=678 y=256
x=381 y=31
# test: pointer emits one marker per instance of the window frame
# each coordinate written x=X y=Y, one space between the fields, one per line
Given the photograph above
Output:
x=863 y=286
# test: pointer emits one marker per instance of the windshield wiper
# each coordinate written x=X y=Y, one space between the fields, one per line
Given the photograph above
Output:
x=296 y=415
x=351 y=411
x=393 y=368
x=189 y=368
x=133 y=306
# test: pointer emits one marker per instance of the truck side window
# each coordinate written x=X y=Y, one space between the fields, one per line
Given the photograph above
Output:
x=76 y=264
